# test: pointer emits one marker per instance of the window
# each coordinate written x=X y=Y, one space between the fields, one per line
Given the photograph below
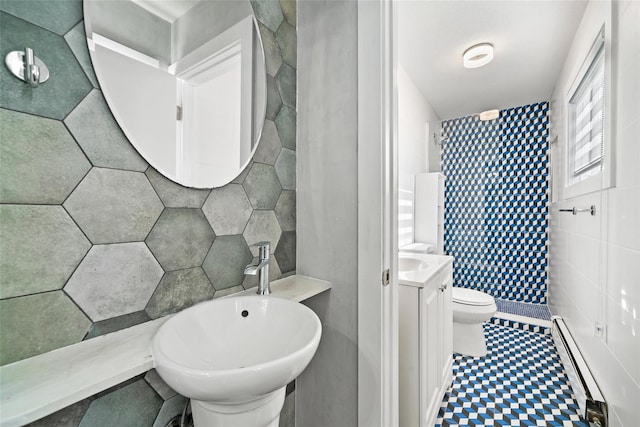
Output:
x=587 y=123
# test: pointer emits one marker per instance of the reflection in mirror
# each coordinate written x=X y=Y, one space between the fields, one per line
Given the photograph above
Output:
x=186 y=81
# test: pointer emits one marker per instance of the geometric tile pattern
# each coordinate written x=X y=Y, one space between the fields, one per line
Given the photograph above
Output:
x=93 y=240
x=496 y=202
x=537 y=311
x=536 y=329
x=520 y=382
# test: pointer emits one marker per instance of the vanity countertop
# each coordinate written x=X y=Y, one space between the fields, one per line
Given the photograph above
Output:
x=420 y=277
x=41 y=385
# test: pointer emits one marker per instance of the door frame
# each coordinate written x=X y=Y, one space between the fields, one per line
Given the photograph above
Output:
x=377 y=216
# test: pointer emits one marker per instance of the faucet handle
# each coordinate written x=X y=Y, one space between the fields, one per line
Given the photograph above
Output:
x=261 y=244
x=264 y=249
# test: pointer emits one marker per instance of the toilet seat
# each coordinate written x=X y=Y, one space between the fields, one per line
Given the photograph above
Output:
x=472 y=297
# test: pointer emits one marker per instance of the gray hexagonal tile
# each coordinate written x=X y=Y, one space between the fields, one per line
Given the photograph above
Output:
x=286 y=210
x=67 y=83
x=286 y=38
x=286 y=82
x=286 y=125
x=114 y=280
x=286 y=169
x=274 y=101
x=41 y=246
x=274 y=274
x=113 y=206
x=269 y=146
x=39 y=161
x=181 y=238
x=228 y=209
x=262 y=226
x=226 y=260
x=175 y=195
x=58 y=17
x=262 y=186
x=286 y=252
x=77 y=41
x=170 y=409
x=35 y=324
x=179 y=290
x=289 y=10
x=116 y=324
x=268 y=12
x=100 y=137
x=135 y=404
x=242 y=175
x=272 y=56
x=164 y=391
x=67 y=417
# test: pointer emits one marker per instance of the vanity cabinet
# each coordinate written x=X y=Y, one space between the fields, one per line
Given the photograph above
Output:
x=425 y=347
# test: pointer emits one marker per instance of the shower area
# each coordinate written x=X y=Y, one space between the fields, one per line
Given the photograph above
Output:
x=496 y=205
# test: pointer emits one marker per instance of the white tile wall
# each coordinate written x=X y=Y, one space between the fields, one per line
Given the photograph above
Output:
x=595 y=261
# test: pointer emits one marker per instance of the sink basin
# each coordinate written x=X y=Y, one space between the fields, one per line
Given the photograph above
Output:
x=407 y=263
x=235 y=350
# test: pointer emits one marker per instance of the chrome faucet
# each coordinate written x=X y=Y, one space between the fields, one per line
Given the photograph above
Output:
x=261 y=268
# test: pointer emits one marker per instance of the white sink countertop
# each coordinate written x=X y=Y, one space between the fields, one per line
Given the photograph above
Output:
x=41 y=385
x=418 y=278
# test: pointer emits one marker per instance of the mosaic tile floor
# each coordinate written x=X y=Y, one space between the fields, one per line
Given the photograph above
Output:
x=537 y=311
x=520 y=382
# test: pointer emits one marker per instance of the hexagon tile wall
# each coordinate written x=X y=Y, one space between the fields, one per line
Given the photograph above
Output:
x=92 y=239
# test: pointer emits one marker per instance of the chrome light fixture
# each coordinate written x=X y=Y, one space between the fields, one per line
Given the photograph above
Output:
x=478 y=55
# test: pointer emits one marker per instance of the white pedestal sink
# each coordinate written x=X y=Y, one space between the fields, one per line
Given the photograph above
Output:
x=233 y=357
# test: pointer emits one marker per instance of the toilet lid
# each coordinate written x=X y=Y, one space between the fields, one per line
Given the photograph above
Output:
x=471 y=297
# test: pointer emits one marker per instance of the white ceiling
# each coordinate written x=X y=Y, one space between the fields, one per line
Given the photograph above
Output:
x=169 y=10
x=530 y=38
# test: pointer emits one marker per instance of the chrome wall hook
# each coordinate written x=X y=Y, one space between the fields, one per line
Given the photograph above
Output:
x=27 y=67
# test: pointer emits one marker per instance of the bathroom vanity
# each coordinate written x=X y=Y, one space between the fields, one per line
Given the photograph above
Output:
x=425 y=337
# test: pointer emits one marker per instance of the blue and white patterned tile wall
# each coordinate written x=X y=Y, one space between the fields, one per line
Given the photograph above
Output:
x=496 y=202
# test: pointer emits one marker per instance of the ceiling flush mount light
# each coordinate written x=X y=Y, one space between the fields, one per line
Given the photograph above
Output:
x=478 y=55
x=489 y=115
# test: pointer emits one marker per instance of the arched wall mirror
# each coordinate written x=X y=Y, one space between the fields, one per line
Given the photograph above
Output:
x=186 y=81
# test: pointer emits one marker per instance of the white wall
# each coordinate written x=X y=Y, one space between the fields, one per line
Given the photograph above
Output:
x=415 y=147
x=595 y=261
x=327 y=209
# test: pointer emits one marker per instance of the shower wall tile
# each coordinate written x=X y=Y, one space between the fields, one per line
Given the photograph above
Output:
x=67 y=417
x=113 y=206
x=170 y=409
x=181 y=238
x=159 y=386
x=100 y=137
x=179 y=290
x=38 y=323
x=496 y=202
x=226 y=261
x=114 y=280
x=116 y=323
x=175 y=195
x=40 y=161
x=30 y=258
x=58 y=16
x=67 y=83
x=77 y=41
x=262 y=227
x=286 y=251
x=290 y=12
x=135 y=404
x=262 y=186
x=274 y=100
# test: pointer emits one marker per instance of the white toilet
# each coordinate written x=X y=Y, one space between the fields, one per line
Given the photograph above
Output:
x=470 y=309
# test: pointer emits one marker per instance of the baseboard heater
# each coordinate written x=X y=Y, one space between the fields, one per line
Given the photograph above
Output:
x=592 y=405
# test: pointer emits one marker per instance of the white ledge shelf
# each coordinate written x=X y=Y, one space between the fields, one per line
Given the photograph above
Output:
x=41 y=385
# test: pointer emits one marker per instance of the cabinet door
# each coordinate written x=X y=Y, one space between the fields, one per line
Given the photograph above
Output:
x=430 y=354
x=445 y=307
